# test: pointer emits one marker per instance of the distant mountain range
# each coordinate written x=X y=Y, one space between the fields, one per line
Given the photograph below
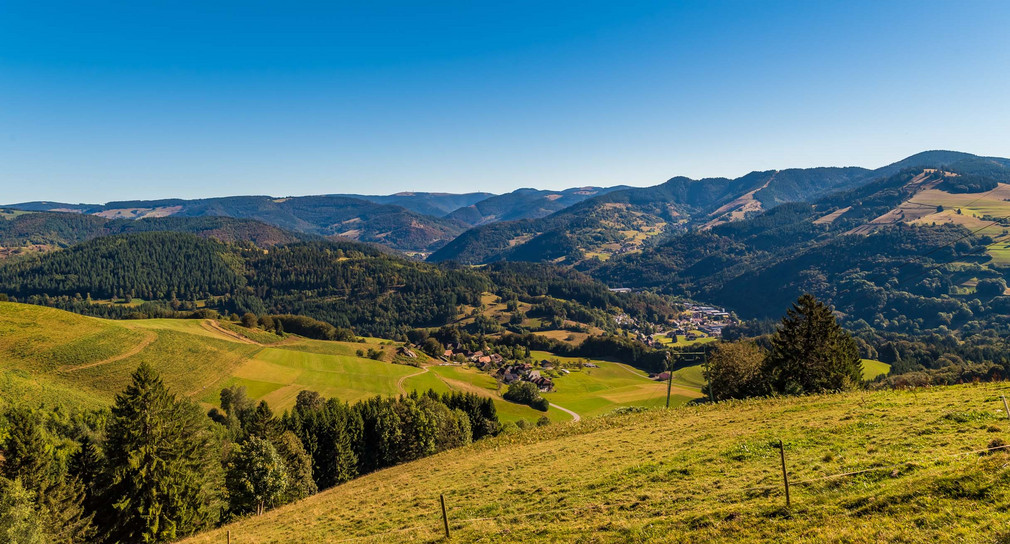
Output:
x=567 y=227
x=921 y=245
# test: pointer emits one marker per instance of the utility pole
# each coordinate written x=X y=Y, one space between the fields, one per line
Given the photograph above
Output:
x=669 y=366
x=669 y=378
x=708 y=375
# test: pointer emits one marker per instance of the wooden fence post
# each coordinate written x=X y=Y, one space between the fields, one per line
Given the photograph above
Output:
x=1005 y=407
x=229 y=536
x=785 y=475
x=445 y=517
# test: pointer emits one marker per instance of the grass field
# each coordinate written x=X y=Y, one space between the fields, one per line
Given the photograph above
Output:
x=872 y=369
x=682 y=340
x=53 y=357
x=700 y=473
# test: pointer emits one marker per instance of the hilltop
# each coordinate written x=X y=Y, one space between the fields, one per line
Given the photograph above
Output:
x=698 y=473
x=24 y=232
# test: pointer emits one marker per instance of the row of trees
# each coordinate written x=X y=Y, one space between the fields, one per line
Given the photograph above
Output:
x=155 y=468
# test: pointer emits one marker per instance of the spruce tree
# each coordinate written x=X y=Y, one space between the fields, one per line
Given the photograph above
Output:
x=30 y=457
x=811 y=352
x=159 y=461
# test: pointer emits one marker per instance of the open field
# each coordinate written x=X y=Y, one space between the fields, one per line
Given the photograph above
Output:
x=59 y=358
x=872 y=369
x=682 y=340
x=700 y=473
x=596 y=391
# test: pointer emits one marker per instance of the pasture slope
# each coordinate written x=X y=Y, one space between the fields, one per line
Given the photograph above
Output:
x=889 y=466
x=58 y=358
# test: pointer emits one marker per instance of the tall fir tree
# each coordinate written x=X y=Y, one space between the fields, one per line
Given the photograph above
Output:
x=160 y=465
x=30 y=457
x=811 y=353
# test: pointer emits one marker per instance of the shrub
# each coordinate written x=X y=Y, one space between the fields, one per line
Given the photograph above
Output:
x=528 y=394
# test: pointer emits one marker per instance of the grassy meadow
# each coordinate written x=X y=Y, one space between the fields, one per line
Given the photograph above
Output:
x=55 y=357
x=698 y=473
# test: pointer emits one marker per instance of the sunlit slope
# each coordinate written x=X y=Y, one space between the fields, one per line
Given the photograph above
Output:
x=694 y=474
x=54 y=357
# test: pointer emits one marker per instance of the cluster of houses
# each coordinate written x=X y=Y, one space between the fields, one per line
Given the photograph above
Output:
x=707 y=319
x=482 y=360
x=524 y=372
x=497 y=366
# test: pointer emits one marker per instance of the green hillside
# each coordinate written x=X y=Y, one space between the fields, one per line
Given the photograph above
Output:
x=701 y=473
x=56 y=357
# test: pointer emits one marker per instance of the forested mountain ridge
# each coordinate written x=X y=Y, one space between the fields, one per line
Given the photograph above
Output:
x=25 y=232
x=621 y=221
x=433 y=204
x=525 y=204
x=347 y=284
x=624 y=222
x=329 y=216
x=923 y=251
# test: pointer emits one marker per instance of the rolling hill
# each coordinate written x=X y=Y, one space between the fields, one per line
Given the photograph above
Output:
x=55 y=358
x=347 y=284
x=33 y=232
x=894 y=466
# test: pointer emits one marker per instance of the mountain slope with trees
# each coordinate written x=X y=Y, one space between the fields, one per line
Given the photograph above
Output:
x=347 y=284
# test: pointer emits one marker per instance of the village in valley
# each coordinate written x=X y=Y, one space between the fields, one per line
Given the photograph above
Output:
x=696 y=323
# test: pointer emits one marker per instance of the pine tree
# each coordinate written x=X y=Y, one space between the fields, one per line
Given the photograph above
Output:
x=30 y=458
x=20 y=522
x=811 y=352
x=159 y=461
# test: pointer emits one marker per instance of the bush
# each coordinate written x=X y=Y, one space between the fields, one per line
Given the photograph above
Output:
x=735 y=370
x=528 y=394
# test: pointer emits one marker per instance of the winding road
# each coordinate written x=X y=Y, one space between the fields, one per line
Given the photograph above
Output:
x=399 y=383
x=575 y=417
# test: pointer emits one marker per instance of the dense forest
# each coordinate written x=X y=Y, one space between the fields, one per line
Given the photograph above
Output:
x=346 y=284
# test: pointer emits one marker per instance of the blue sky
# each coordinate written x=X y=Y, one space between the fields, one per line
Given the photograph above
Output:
x=113 y=100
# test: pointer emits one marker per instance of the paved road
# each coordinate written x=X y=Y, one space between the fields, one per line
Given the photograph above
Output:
x=575 y=417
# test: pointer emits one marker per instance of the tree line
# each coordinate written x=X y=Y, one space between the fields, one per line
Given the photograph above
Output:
x=155 y=468
x=348 y=285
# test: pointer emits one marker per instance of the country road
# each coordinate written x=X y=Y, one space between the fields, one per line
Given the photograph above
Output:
x=575 y=417
x=399 y=383
x=460 y=385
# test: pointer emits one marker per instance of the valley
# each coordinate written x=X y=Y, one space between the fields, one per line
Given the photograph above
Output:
x=58 y=358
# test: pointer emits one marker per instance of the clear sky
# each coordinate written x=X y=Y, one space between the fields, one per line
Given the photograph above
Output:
x=108 y=100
